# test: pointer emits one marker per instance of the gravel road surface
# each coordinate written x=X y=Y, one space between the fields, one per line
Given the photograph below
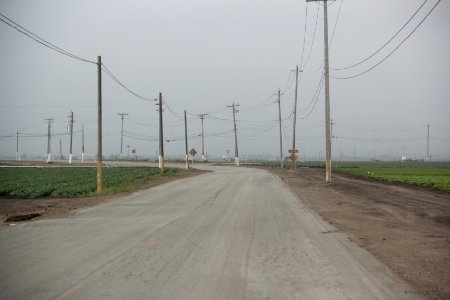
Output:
x=235 y=233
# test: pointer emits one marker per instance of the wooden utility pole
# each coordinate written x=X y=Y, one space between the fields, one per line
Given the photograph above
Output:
x=82 y=143
x=49 y=140
x=294 y=150
x=17 y=147
x=327 y=93
x=236 y=153
x=60 y=150
x=202 y=117
x=121 y=133
x=279 y=120
x=186 y=141
x=428 y=142
x=71 y=136
x=99 y=125
x=161 y=135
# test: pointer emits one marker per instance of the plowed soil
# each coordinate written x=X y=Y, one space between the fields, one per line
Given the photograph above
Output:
x=407 y=228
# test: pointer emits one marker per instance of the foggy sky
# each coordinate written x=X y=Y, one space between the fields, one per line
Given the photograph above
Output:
x=205 y=55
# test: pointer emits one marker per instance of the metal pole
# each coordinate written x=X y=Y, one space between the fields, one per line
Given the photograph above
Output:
x=293 y=154
x=186 y=140
x=99 y=125
x=161 y=135
x=279 y=119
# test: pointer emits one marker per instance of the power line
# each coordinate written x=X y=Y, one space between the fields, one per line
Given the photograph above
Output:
x=332 y=35
x=385 y=44
x=362 y=128
x=304 y=34
x=116 y=80
x=288 y=83
x=40 y=40
x=395 y=49
x=313 y=39
x=316 y=94
x=318 y=90
x=335 y=24
x=172 y=111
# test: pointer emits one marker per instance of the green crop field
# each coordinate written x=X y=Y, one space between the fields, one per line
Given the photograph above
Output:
x=431 y=174
x=435 y=178
x=72 y=182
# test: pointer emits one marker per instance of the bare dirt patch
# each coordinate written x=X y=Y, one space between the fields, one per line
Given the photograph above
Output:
x=406 y=228
x=19 y=210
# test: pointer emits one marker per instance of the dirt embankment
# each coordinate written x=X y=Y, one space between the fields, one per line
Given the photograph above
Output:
x=407 y=228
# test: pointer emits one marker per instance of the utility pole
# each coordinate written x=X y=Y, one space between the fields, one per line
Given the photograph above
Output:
x=186 y=140
x=60 y=150
x=71 y=136
x=82 y=143
x=17 y=147
x=236 y=153
x=327 y=93
x=293 y=151
x=428 y=142
x=121 y=132
x=161 y=135
x=49 y=138
x=202 y=117
x=99 y=125
x=281 y=137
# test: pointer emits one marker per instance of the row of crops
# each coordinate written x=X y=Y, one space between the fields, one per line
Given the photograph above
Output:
x=71 y=182
x=431 y=174
x=438 y=179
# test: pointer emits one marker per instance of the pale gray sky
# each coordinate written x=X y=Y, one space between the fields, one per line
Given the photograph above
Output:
x=203 y=55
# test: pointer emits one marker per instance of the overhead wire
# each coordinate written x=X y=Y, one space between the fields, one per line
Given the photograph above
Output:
x=40 y=40
x=116 y=80
x=393 y=51
x=316 y=93
x=386 y=43
x=332 y=35
x=304 y=34
x=313 y=39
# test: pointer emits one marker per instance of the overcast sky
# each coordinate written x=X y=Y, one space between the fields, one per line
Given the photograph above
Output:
x=204 y=55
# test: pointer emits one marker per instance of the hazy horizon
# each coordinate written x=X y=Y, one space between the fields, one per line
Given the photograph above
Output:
x=205 y=55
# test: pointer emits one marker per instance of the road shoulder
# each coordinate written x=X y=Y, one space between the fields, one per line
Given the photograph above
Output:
x=21 y=210
x=405 y=228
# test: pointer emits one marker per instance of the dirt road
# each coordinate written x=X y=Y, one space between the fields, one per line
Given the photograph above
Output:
x=407 y=228
x=234 y=233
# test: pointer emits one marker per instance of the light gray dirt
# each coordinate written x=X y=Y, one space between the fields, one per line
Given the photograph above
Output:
x=235 y=233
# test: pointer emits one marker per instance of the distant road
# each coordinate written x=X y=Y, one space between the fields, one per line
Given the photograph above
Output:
x=235 y=233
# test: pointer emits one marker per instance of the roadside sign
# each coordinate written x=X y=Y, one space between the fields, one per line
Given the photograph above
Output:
x=228 y=150
x=293 y=151
x=193 y=152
